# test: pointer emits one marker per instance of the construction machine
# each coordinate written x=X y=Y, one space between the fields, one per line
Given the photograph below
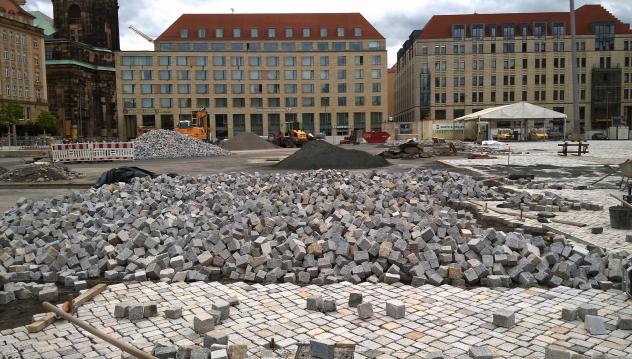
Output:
x=351 y=139
x=292 y=137
x=142 y=130
x=197 y=127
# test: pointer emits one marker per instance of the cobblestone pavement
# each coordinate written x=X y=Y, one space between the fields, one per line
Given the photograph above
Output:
x=544 y=154
x=445 y=318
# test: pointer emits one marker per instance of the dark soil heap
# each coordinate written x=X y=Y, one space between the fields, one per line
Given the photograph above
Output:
x=40 y=173
x=246 y=141
x=321 y=154
x=3 y=170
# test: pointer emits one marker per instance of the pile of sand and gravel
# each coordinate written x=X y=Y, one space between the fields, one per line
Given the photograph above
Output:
x=40 y=173
x=323 y=155
x=171 y=144
x=247 y=141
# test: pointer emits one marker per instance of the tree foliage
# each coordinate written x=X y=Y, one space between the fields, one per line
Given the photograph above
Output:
x=47 y=122
x=10 y=113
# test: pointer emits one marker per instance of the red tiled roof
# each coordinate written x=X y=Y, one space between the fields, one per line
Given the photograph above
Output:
x=393 y=69
x=438 y=27
x=264 y=21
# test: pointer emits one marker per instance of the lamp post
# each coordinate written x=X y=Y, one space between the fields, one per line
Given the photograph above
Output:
x=607 y=109
x=576 y=120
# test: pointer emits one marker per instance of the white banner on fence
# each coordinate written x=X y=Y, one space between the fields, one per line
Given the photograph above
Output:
x=448 y=127
x=87 y=152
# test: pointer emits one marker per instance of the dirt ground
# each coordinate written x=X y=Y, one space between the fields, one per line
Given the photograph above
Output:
x=245 y=161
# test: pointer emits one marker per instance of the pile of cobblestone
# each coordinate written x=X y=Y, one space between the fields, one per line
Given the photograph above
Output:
x=171 y=144
x=318 y=227
x=40 y=173
x=410 y=150
x=545 y=202
x=420 y=142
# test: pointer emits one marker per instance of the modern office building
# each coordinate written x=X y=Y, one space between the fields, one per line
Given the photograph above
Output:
x=255 y=72
x=460 y=64
x=24 y=75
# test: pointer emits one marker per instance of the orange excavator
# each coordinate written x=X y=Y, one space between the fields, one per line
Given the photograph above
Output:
x=142 y=130
x=198 y=127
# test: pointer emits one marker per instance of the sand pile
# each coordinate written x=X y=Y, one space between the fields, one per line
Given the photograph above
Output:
x=247 y=141
x=40 y=173
x=321 y=154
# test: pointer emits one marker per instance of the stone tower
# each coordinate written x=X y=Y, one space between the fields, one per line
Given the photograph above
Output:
x=92 y=22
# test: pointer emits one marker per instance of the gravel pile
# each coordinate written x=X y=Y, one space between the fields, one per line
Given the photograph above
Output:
x=40 y=173
x=318 y=227
x=171 y=144
x=323 y=155
x=411 y=150
x=3 y=170
x=247 y=141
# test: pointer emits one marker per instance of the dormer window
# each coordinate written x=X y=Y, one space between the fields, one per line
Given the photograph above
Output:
x=558 y=29
x=509 y=31
x=236 y=32
x=539 y=30
x=341 y=31
x=306 y=32
x=184 y=33
x=604 y=35
x=254 y=32
x=219 y=32
x=357 y=31
x=201 y=32
x=478 y=32
x=11 y=15
x=523 y=30
x=458 y=32
x=323 y=32
x=289 y=32
x=492 y=31
x=271 y=32
x=3 y=12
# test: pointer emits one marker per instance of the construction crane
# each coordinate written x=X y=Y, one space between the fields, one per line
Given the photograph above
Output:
x=141 y=34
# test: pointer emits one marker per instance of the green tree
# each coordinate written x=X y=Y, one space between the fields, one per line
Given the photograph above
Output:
x=47 y=122
x=10 y=113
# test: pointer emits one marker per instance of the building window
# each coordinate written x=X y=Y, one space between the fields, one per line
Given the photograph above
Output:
x=220 y=102
x=342 y=88
x=165 y=74
x=374 y=45
x=37 y=76
x=271 y=32
x=127 y=102
x=323 y=32
x=184 y=33
x=289 y=32
x=220 y=88
x=341 y=31
x=342 y=101
x=128 y=74
x=357 y=31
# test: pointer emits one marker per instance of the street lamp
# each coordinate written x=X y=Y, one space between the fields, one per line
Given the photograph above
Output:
x=607 y=112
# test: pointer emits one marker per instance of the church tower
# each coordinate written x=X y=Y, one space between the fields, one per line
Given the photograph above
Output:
x=92 y=22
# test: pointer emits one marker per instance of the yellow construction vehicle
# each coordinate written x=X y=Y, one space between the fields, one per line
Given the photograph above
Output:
x=198 y=127
x=504 y=134
x=142 y=130
x=292 y=137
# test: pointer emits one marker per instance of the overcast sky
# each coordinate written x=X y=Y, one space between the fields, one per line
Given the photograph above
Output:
x=395 y=21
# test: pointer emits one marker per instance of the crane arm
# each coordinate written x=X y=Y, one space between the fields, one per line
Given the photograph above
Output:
x=141 y=34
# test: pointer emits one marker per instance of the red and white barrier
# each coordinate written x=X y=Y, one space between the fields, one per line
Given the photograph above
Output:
x=87 y=152
x=114 y=151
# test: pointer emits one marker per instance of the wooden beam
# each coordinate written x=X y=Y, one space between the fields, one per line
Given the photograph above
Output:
x=50 y=318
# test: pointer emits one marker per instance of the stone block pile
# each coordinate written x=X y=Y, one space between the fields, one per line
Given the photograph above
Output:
x=544 y=202
x=318 y=227
x=171 y=144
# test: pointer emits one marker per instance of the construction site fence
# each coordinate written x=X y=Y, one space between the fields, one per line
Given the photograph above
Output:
x=93 y=152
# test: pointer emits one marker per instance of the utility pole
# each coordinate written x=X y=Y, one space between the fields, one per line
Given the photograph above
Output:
x=576 y=122
x=80 y=115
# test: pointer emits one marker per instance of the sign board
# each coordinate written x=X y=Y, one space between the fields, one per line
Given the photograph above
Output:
x=137 y=110
x=448 y=127
x=275 y=109
x=343 y=127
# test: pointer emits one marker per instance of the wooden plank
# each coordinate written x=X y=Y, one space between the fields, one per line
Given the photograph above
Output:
x=89 y=294
x=50 y=318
